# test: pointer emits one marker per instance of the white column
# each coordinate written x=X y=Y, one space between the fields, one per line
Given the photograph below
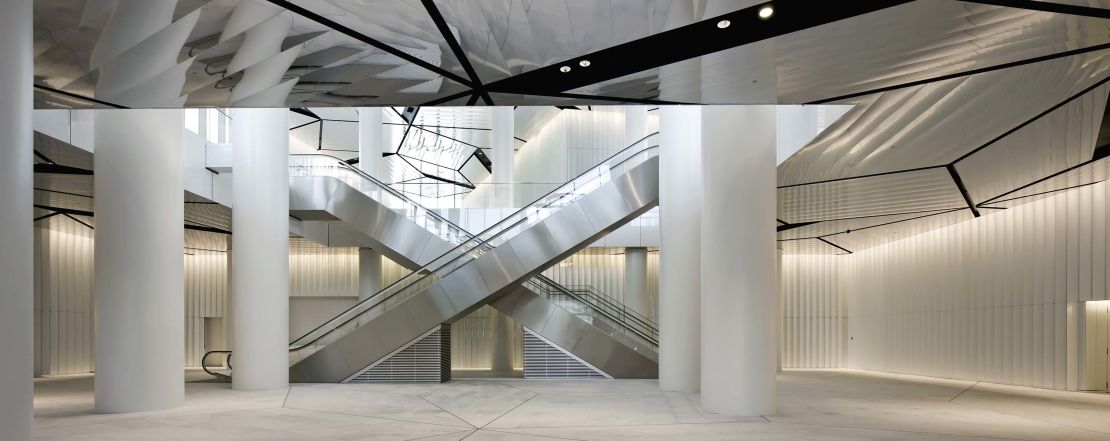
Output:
x=635 y=280
x=738 y=337
x=139 y=275
x=635 y=124
x=680 y=248
x=260 y=238
x=370 y=141
x=369 y=273
x=502 y=159
x=16 y=268
x=501 y=354
x=370 y=161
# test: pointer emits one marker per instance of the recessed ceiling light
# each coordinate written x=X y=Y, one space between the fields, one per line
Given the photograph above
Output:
x=584 y=63
x=564 y=69
x=766 y=12
x=724 y=24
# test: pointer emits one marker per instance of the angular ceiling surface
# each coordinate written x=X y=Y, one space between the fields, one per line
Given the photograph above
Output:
x=316 y=53
x=961 y=108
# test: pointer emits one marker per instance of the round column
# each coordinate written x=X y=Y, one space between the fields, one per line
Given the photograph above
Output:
x=16 y=267
x=635 y=280
x=738 y=287
x=502 y=159
x=139 y=275
x=370 y=161
x=369 y=273
x=501 y=352
x=680 y=249
x=260 y=238
x=635 y=124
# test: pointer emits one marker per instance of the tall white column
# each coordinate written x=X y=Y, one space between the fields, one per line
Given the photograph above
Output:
x=635 y=280
x=370 y=141
x=501 y=353
x=16 y=268
x=370 y=161
x=680 y=248
x=635 y=124
x=738 y=297
x=260 y=238
x=369 y=273
x=502 y=159
x=139 y=276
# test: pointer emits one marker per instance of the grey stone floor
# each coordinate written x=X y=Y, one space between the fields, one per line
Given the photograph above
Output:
x=813 y=405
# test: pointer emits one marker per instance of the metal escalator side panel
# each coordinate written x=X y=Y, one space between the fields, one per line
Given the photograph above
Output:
x=572 y=334
x=323 y=198
x=383 y=335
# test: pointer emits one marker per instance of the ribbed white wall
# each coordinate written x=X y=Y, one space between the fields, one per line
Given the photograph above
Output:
x=205 y=296
x=992 y=299
x=603 y=269
x=813 y=311
x=63 y=297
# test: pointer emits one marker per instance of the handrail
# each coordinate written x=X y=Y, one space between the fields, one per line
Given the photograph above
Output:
x=617 y=305
x=498 y=229
x=651 y=339
x=204 y=365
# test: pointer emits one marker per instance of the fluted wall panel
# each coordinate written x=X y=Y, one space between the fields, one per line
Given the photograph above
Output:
x=63 y=297
x=205 y=297
x=813 y=311
x=993 y=299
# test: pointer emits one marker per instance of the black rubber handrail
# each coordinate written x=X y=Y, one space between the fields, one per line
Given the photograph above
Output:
x=563 y=290
x=204 y=365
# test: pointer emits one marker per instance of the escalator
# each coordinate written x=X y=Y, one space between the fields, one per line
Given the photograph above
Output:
x=455 y=273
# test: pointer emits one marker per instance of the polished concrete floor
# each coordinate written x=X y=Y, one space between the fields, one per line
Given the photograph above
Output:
x=814 y=405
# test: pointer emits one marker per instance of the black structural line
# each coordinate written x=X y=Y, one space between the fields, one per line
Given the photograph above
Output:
x=1038 y=181
x=473 y=99
x=80 y=97
x=1033 y=119
x=822 y=239
x=447 y=98
x=963 y=190
x=849 y=178
x=616 y=99
x=983 y=204
x=966 y=73
x=685 y=42
x=457 y=49
x=1046 y=6
x=369 y=40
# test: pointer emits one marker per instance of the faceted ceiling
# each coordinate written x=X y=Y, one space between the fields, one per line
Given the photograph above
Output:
x=315 y=53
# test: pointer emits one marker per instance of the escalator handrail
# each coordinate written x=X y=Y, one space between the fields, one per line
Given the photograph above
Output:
x=503 y=225
x=651 y=339
x=610 y=302
x=204 y=365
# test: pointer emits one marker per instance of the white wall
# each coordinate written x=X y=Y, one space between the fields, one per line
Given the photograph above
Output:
x=814 y=319
x=993 y=299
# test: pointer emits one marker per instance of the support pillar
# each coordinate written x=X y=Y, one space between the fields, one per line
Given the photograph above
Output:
x=501 y=353
x=16 y=267
x=369 y=273
x=260 y=238
x=139 y=276
x=635 y=124
x=370 y=161
x=680 y=249
x=738 y=302
x=635 y=280
x=503 y=156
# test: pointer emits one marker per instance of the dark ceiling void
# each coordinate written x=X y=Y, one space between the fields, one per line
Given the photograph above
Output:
x=701 y=38
x=1048 y=6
